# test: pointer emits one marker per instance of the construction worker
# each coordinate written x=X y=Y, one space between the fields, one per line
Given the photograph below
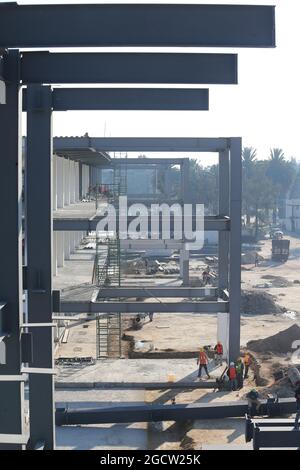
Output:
x=218 y=353
x=232 y=376
x=247 y=363
x=206 y=276
x=203 y=362
x=297 y=396
x=240 y=373
x=254 y=403
x=151 y=314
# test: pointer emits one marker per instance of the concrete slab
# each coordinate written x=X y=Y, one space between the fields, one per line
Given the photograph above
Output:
x=120 y=371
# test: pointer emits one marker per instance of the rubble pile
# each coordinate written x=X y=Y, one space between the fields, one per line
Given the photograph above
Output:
x=259 y=303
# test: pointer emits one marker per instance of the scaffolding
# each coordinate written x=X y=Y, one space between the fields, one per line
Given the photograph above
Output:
x=108 y=274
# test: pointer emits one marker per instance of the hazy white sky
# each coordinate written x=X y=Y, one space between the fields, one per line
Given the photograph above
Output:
x=263 y=108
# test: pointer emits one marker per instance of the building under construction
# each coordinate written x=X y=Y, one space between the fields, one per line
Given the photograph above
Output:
x=76 y=298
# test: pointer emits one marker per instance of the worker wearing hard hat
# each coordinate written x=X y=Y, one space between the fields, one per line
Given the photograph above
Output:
x=218 y=353
x=232 y=376
x=202 y=361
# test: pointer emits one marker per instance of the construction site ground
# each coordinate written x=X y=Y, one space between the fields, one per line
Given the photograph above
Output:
x=175 y=338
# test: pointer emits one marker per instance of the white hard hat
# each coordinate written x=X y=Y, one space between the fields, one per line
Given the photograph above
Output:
x=232 y=363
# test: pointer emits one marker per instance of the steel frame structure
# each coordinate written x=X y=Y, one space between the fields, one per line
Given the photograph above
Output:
x=141 y=25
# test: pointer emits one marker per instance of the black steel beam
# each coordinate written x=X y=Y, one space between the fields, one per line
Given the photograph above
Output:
x=136 y=25
x=251 y=423
x=149 y=413
x=80 y=224
x=39 y=255
x=179 y=99
x=11 y=288
x=155 y=291
x=276 y=437
x=77 y=306
x=144 y=144
x=47 y=67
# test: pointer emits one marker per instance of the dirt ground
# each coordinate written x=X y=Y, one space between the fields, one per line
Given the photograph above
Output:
x=182 y=335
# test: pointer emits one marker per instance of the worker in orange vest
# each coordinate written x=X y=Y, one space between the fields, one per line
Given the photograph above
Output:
x=247 y=362
x=218 y=353
x=203 y=362
x=232 y=376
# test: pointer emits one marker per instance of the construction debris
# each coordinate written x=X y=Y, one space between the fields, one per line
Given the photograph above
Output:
x=259 y=303
x=279 y=343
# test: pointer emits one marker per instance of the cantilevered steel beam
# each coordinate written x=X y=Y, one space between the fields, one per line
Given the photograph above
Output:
x=68 y=306
x=145 y=144
x=180 y=99
x=47 y=67
x=136 y=25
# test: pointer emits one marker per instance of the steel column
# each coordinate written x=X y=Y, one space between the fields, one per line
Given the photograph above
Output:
x=235 y=247
x=223 y=245
x=39 y=252
x=11 y=393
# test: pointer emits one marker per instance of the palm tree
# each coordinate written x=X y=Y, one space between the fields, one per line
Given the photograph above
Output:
x=248 y=155
x=277 y=165
x=248 y=159
x=277 y=155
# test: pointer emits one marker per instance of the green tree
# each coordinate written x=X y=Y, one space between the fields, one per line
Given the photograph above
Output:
x=248 y=162
x=280 y=171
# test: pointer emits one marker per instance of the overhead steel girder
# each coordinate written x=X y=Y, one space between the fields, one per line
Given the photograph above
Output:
x=145 y=144
x=154 y=291
x=78 y=306
x=136 y=25
x=60 y=223
x=47 y=67
x=78 y=99
x=149 y=413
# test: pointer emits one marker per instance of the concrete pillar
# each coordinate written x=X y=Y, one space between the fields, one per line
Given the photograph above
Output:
x=60 y=183
x=67 y=245
x=54 y=254
x=72 y=182
x=80 y=181
x=54 y=182
x=60 y=249
x=67 y=181
x=72 y=242
x=185 y=266
x=77 y=198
